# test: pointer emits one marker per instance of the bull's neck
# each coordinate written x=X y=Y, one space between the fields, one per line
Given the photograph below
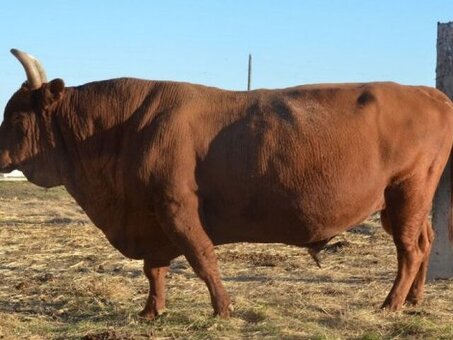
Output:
x=94 y=120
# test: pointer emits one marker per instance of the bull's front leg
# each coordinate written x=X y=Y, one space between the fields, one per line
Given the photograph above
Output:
x=179 y=213
x=155 y=304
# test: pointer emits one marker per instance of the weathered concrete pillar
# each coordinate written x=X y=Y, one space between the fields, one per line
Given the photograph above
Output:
x=441 y=261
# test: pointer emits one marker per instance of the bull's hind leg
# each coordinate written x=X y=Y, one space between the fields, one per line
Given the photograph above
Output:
x=407 y=207
x=181 y=222
x=424 y=242
x=418 y=286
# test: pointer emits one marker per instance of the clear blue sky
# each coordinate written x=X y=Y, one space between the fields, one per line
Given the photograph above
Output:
x=208 y=42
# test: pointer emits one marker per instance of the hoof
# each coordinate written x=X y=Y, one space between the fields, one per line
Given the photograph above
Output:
x=412 y=301
x=150 y=315
x=393 y=307
x=225 y=313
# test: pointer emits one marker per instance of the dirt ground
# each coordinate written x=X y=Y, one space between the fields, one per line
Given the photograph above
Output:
x=60 y=279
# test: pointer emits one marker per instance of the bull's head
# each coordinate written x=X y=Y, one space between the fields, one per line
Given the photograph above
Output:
x=27 y=142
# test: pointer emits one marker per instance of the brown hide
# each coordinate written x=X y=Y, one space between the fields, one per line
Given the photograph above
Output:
x=166 y=168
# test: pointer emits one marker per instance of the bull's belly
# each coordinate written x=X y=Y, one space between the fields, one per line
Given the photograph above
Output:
x=292 y=232
x=287 y=223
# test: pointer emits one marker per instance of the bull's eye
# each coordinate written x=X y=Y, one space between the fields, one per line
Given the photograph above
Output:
x=19 y=123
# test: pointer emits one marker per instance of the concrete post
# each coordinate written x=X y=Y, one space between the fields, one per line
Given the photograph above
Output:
x=441 y=260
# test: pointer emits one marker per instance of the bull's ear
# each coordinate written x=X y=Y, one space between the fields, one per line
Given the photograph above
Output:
x=49 y=93
x=55 y=90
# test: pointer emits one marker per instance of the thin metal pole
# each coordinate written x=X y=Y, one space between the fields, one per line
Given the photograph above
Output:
x=249 y=81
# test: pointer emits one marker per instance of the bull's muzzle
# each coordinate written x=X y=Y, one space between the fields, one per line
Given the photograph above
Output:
x=5 y=162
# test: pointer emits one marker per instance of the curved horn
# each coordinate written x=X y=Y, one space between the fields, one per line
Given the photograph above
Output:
x=33 y=68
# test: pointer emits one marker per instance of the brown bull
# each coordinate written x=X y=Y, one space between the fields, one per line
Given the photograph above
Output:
x=166 y=168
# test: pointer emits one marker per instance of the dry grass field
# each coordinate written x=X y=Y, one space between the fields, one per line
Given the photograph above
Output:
x=60 y=279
